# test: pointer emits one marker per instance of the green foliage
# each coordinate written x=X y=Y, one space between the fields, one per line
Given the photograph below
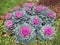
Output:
x=6 y=5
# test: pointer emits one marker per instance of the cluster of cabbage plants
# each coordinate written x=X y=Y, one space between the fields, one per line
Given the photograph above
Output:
x=30 y=21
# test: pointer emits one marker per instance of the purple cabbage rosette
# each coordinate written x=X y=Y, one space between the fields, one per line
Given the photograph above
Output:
x=25 y=33
x=47 y=32
x=9 y=23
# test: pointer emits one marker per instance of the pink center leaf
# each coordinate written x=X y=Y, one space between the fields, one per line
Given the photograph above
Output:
x=16 y=8
x=19 y=14
x=25 y=31
x=9 y=16
x=39 y=8
x=45 y=8
x=36 y=21
x=48 y=31
x=9 y=23
x=29 y=5
x=51 y=14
